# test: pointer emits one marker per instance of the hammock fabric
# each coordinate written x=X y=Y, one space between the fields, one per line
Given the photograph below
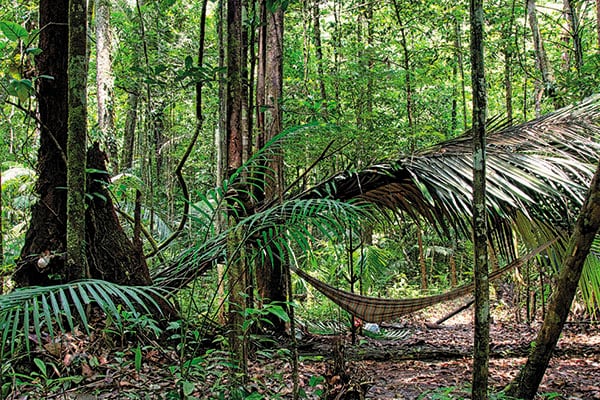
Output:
x=375 y=309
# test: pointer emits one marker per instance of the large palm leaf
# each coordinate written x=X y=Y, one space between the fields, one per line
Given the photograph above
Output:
x=43 y=309
x=541 y=168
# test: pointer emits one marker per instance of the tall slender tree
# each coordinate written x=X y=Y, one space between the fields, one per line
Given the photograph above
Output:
x=547 y=84
x=236 y=268
x=480 y=244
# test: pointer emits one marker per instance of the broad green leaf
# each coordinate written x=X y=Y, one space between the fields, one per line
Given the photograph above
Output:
x=279 y=312
x=13 y=31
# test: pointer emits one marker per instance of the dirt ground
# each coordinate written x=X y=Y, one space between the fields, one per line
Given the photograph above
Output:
x=431 y=362
x=413 y=360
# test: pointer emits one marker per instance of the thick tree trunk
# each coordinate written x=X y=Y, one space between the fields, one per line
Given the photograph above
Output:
x=270 y=274
x=527 y=382
x=481 y=347
x=112 y=256
x=46 y=235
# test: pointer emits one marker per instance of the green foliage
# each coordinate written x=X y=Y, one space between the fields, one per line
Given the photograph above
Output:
x=61 y=308
x=17 y=197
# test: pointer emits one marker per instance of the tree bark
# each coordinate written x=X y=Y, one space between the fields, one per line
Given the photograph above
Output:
x=110 y=254
x=236 y=267
x=461 y=69
x=528 y=380
x=46 y=234
x=407 y=71
x=548 y=83
x=508 y=89
x=573 y=33
x=129 y=132
x=104 y=82
x=76 y=140
x=270 y=272
x=481 y=347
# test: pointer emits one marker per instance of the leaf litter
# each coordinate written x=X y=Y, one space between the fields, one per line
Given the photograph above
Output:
x=419 y=362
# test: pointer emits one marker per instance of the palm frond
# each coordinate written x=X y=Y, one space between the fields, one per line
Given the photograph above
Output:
x=41 y=309
x=541 y=168
x=293 y=223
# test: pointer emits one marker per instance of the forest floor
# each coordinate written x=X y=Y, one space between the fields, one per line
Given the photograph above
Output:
x=413 y=360
x=435 y=363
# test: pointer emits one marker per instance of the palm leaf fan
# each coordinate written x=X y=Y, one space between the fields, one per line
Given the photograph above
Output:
x=541 y=168
x=33 y=309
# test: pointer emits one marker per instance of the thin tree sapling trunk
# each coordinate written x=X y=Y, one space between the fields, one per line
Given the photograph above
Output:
x=481 y=345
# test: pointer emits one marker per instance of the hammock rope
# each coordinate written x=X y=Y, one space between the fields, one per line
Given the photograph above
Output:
x=377 y=309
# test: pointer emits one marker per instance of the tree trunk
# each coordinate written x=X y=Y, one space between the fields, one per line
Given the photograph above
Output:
x=104 y=82
x=46 y=234
x=548 y=84
x=573 y=33
x=221 y=148
x=461 y=68
x=481 y=347
x=129 y=132
x=407 y=74
x=527 y=382
x=112 y=256
x=422 y=259
x=508 y=89
x=270 y=273
x=76 y=140
x=236 y=268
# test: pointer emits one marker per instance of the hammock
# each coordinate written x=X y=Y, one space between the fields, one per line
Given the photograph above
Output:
x=376 y=309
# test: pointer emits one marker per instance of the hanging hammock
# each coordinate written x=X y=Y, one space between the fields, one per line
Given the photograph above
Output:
x=376 y=309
